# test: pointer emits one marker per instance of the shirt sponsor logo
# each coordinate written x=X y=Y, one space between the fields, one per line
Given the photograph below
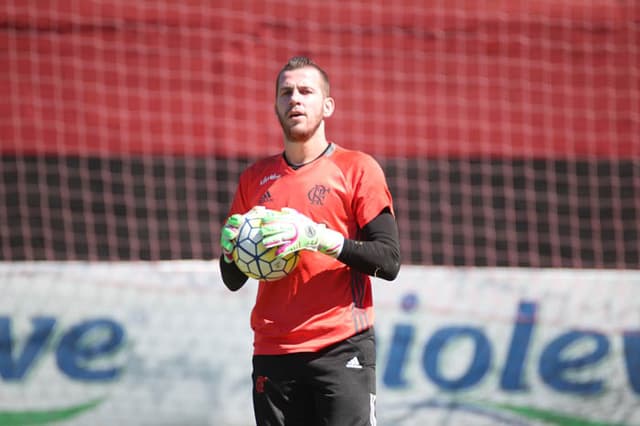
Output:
x=272 y=176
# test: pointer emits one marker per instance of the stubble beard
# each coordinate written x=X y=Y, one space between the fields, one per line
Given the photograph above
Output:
x=294 y=134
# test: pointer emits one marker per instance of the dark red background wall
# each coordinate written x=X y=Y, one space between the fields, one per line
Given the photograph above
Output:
x=509 y=130
x=541 y=78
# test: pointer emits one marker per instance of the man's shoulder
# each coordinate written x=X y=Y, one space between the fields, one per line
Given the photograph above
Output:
x=263 y=164
x=350 y=159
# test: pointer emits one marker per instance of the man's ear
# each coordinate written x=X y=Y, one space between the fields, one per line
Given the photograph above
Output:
x=328 y=107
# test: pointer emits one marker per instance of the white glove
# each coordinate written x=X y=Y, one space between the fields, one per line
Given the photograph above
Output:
x=229 y=234
x=231 y=229
x=292 y=231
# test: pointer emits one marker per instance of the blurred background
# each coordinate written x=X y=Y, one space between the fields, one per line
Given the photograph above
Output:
x=509 y=131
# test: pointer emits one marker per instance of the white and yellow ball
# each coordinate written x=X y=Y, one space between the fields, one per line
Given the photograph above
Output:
x=254 y=259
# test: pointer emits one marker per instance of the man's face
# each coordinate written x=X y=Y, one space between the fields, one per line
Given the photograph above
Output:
x=301 y=104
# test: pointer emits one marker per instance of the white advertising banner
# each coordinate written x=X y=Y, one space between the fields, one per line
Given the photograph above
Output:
x=167 y=344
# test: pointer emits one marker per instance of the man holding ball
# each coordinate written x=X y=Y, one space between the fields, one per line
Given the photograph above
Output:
x=314 y=343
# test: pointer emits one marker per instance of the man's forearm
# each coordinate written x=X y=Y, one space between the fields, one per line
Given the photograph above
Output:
x=379 y=253
x=232 y=277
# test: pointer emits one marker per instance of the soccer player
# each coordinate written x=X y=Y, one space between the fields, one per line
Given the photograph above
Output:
x=314 y=346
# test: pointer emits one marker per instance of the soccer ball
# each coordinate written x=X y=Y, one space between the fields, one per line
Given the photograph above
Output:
x=254 y=259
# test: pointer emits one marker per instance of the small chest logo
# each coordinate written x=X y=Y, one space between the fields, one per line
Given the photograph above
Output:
x=265 y=198
x=317 y=194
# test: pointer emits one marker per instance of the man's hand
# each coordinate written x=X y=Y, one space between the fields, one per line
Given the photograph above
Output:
x=232 y=226
x=229 y=234
x=292 y=231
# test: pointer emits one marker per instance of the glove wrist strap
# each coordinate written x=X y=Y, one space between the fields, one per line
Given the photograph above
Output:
x=330 y=242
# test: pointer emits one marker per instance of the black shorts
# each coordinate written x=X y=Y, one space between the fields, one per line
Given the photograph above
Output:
x=334 y=386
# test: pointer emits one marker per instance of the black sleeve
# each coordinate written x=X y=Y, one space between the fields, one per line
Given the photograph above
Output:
x=378 y=254
x=232 y=277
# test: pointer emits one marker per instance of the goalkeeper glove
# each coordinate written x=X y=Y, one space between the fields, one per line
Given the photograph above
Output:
x=232 y=226
x=229 y=234
x=292 y=231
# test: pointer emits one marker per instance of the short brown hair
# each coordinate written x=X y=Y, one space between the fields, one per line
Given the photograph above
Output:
x=298 y=62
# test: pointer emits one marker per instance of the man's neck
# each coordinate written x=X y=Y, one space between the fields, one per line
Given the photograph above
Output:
x=299 y=153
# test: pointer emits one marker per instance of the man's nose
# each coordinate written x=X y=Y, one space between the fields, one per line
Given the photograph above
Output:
x=295 y=97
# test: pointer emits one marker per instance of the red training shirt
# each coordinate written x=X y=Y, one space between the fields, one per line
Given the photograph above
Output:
x=322 y=301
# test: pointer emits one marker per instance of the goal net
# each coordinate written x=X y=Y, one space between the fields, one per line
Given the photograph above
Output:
x=509 y=131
